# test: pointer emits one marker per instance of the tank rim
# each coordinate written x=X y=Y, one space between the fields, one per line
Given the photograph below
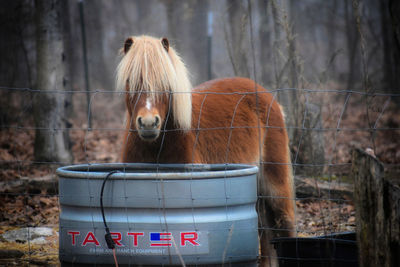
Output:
x=142 y=171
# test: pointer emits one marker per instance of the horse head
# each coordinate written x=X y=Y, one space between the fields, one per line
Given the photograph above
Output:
x=148 y=113
x=156 y=84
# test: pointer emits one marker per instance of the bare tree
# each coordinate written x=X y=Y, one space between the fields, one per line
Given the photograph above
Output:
x=307 y=146
x=196 y=20
x=96 y=39
x=187 y=28
x=174 y=11
x=265 y=42
x=332 y=28
x=391 y=53
x=394 y=7
x=143 y=8
x=17 y=54
x=51 y=140
x=237 y=18
x=388 y=67
x=277 y=29
x=352 y=40
x=68 y=48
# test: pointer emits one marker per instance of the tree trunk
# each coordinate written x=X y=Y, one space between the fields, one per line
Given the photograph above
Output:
x=143 y=8
x=196 y=22
x=391 y=69
x=276 y=45
x=377 y=200
x=332 y=28
x=294 y=98
x=394 y=7
x=68 y=50
x=174 y=11
x=187 y=28
x=394 y=10
x=238 y=19
x=51 y=139
x=265 y=44
x=352 y=44
x=99 y=67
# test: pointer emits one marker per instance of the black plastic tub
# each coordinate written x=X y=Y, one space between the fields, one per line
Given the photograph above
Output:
x=332 y=250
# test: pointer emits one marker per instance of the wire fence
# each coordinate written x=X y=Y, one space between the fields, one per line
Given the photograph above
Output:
x=323 y=124
x=29 y=188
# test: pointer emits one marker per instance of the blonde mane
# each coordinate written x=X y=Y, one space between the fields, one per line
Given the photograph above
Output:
x=150 y=68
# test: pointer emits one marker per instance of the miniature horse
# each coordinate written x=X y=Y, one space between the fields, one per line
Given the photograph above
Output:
x=231 y=120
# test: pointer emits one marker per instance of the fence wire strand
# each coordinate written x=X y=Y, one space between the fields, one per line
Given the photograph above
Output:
x=333 y=166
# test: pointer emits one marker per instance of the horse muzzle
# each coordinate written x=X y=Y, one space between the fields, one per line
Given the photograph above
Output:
x=148 y=127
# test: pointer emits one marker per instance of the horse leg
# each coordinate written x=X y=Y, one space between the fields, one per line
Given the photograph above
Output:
x=267 y=251
x=276 y=201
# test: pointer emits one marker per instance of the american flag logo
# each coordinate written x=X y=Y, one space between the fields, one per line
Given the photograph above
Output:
x=160 y=239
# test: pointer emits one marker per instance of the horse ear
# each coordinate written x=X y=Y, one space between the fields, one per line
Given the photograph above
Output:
x=165 y=43
x=128 y=44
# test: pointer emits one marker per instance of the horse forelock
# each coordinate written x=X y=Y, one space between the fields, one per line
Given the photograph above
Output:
x=150 y=68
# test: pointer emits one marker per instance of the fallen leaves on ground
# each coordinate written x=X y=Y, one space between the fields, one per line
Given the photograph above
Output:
x=27 y=254
x=321 y=217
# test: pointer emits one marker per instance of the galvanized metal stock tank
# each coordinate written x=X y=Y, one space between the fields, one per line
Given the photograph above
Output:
x=159 y=214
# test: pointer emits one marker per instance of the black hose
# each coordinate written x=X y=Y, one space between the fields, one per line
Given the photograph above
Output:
x=110 y=242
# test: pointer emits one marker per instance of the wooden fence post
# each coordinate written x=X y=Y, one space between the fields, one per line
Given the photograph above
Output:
x=377 y=201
